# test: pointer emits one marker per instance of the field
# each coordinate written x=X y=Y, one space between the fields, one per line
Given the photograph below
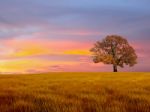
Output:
x=75 y=92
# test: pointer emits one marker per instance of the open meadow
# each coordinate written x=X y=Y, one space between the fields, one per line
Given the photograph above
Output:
x=75 y=92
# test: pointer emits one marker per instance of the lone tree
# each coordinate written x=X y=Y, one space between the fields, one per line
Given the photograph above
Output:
x=114 y=50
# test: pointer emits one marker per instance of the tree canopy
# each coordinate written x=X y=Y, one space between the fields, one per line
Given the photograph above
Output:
x=114 y=50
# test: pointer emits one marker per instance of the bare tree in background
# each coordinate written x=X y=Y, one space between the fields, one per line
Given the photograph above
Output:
x=114 y=50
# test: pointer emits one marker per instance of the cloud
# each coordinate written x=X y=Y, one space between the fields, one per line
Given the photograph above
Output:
x=58 y=35
x=31 y=47
x=6 y=32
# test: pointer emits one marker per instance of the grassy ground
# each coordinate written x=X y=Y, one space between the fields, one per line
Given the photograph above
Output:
x=75 y=92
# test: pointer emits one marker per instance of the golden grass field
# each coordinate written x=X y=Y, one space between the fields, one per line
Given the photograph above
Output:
x=75 y=92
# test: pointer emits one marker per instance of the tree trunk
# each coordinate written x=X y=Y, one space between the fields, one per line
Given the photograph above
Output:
x=115 y=68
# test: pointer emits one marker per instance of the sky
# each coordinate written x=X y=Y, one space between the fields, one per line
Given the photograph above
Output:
x=38 y=36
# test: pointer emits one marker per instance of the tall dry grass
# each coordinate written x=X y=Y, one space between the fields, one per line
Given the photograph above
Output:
x=75 y=92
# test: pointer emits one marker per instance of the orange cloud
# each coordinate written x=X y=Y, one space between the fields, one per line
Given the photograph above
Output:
x=21 y=48
x=23 y=65
x=78 y=52
x=18 y=56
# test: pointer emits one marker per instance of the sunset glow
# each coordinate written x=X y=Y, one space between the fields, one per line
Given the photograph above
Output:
x=49 y=36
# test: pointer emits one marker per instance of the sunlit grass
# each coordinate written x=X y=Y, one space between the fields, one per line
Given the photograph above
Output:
x=75 y=92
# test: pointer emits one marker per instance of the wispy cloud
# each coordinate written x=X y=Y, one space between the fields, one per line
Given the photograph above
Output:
x=57 y=36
